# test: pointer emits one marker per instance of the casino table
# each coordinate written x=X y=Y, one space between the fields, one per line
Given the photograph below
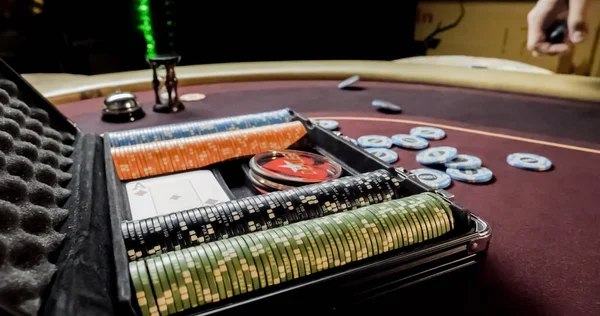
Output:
x=545 y=249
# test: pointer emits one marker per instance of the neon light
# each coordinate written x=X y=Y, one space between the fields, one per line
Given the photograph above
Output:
x=145 y=25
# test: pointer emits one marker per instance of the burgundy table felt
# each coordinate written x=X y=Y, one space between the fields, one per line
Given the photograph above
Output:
x=544 y=256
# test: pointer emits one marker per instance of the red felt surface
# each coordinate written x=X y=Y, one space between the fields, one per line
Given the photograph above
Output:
x=545 y=252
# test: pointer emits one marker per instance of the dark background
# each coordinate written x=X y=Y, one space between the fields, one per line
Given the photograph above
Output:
x=92 y=37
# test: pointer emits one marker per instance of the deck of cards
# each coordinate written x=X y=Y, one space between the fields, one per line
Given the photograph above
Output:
x=173 y=193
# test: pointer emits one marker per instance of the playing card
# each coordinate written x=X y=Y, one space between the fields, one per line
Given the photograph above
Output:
x=173 y=193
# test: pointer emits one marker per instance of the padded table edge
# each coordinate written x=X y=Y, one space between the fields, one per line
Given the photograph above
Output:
x=558 y=85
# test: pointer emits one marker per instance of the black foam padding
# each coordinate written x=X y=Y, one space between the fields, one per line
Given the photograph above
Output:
x=84 y=283
x=63 y=178
x=67 y=138
x=65 y=163
x=34 y=164
x=9 y=87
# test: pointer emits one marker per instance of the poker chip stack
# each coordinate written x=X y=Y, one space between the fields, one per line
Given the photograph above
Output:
x=308 y=219
x=205 y=127
x=460 y=167
x=196 y=276
x=164 y=233
x=189 y=153
x=529 y=161
x=467 y=168
x=282 y=170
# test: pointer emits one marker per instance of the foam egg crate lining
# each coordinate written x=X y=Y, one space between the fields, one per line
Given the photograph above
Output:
x=34 y=164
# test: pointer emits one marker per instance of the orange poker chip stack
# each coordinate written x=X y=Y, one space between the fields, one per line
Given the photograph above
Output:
x=161 y=157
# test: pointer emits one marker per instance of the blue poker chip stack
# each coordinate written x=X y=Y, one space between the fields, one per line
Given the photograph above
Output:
x=432 y=178
x=463 y=161
x=427 y=132
x=409 y=141
x=374 y=141
x=386 y=155
x=479 y=175
x=465 y=168
x=461 y=167
x=189 y=129
x=437 y=155
x=529 y=161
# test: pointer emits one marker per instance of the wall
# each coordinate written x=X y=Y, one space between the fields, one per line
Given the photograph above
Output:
x=498 y=29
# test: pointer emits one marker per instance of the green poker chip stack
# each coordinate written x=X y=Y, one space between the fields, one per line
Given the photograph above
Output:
x=179 y=280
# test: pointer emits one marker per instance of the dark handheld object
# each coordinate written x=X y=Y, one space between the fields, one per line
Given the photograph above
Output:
x=557 y=32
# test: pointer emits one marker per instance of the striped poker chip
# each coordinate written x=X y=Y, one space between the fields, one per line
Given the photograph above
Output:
x=349 y=139
x=432 y=178
x=529 y=161
x=348 y=82
x=479 y=175
x=437 y=155
x=374 y=141
x=409 y=141
x=384 y=154
x=386 y=106
x=427 y=132
x=192 y=97
x=464 y=162
x=328 y=124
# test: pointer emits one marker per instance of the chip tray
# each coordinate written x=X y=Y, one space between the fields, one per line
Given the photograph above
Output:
x=301 y=239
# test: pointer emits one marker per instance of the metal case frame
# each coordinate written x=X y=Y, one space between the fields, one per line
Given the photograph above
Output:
x=360 y=281
x=356 y=282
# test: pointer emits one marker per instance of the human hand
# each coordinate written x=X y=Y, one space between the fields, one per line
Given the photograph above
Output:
x=544 y=13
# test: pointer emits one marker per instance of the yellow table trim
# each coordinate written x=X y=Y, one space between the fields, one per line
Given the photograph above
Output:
x=564 y=86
